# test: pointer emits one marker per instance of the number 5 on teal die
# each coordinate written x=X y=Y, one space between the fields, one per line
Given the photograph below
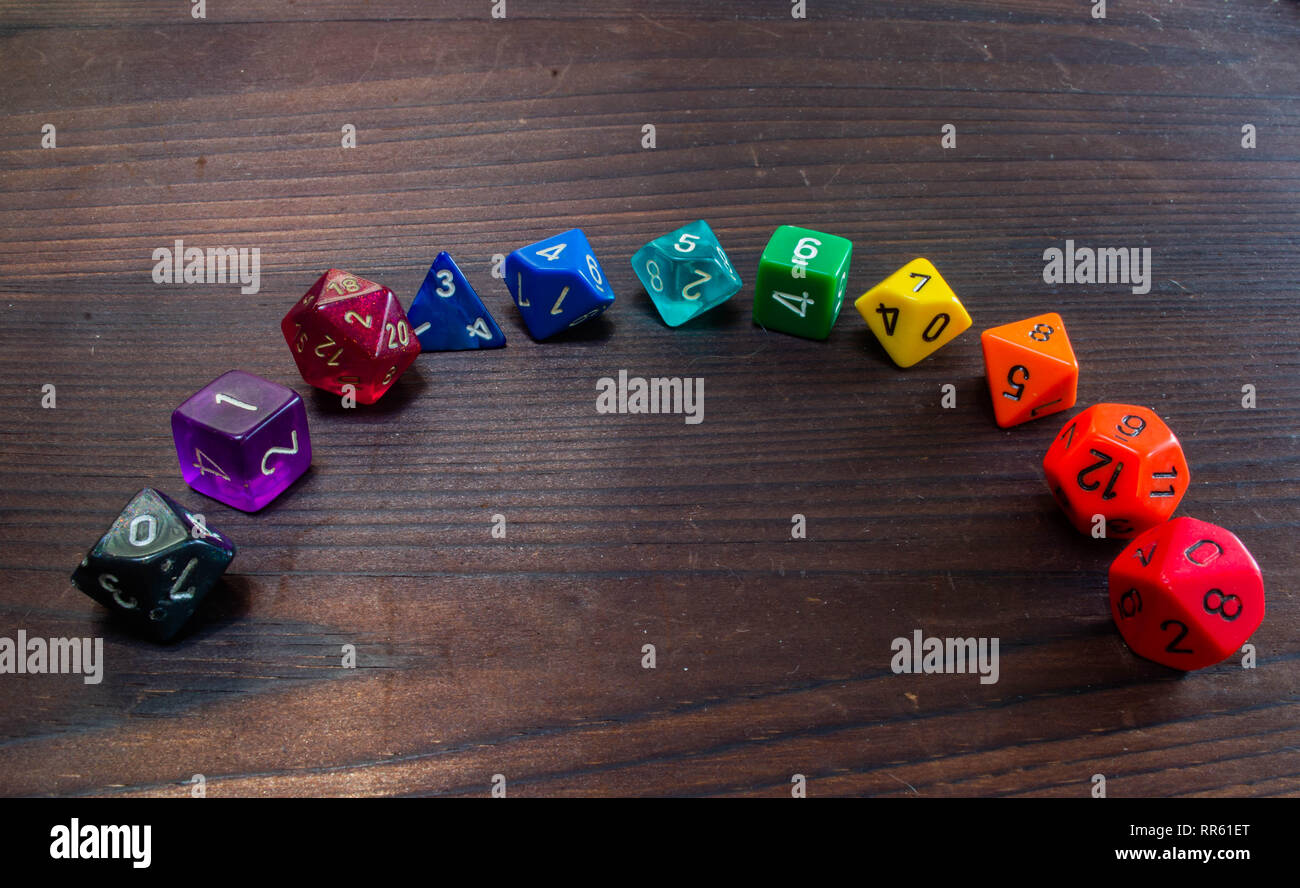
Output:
x=686 y=273
x=802 y=276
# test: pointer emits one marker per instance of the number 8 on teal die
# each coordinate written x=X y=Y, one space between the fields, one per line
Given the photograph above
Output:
x=686 y=273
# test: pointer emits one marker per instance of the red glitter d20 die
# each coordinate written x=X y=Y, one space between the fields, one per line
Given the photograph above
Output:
x=348 y=331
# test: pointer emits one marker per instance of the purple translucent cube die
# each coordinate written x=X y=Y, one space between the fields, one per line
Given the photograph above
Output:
x=242 y=439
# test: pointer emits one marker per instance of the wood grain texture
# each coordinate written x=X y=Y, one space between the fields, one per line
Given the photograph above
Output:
x=522 y=656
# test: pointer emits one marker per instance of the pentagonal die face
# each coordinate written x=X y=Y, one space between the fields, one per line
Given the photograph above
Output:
x=686 y=272
x=349 y=335
x=1186 y=594
x=154 y=565
x=1118 y=461
x=242 y=440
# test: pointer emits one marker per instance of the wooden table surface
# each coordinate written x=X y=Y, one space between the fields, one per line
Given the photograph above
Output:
x=522 y=656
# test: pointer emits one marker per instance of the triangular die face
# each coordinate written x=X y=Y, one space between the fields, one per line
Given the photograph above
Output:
x=919 y=280
x=364 y=320
x=447 y=315
x=1050 y=389
x=1024 y=384
x=565 y=251
x=336 y=285
x=1058 y=396
x=1040 y=335
x=148 y=525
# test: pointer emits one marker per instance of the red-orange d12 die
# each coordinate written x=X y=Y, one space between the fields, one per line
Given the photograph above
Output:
x=348 y=331
x=1120 y=462
x=1186 y=594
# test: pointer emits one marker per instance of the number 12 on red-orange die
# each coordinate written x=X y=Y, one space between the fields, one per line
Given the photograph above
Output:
x=1118 y=464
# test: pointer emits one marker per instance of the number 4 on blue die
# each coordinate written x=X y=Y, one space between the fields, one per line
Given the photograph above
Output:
x=557 y=283
x=447 y=314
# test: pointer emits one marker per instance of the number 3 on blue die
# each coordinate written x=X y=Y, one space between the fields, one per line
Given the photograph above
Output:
x=447 y=314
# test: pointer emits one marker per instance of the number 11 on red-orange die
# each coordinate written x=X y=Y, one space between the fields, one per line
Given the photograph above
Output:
x=349 y=335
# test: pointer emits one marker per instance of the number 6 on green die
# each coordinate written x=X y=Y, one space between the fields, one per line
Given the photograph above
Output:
x=802 y=276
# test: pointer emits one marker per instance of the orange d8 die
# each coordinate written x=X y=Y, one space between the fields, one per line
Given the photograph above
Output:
x=348 y=331
x=1119 y=463
x=1031 y=369
x=1186 y=593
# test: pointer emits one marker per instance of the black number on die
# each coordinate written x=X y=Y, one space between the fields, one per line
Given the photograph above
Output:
x=1018 y=386
x=1222 y=607
x=1103 y=460
x=1177 y=638
x=1130 y=603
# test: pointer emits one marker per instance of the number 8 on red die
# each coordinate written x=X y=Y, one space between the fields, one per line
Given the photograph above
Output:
x=1186 y=594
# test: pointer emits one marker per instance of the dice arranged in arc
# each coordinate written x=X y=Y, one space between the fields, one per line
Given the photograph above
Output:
x=1184 y=593
x=557 y=283
x=154 y=565
x=242 y=439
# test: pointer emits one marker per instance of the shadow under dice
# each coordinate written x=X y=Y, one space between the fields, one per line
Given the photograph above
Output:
x=802 y=276
x=686 y=273
x=242 y=439
x=154 y=565
x=350 y=332
x=557 y=284
x=1186 y=593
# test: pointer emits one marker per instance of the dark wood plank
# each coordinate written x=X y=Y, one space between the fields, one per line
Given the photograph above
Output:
x=522 y=656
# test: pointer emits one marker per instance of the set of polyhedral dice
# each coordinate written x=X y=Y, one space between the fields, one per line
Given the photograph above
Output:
x=1184 y=592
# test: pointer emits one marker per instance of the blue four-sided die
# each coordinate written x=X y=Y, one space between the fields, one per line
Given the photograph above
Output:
x=686 y=273
x=447 y=314
x=557 y=283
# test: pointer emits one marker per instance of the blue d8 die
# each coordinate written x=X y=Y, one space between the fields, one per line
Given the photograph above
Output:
x=686 y=273
x=557 y=283
x=447 y=314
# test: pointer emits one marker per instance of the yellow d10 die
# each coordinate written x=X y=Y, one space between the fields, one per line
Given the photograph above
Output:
x=913 y=312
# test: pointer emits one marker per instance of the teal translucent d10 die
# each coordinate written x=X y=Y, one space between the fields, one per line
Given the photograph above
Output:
x=686 y=273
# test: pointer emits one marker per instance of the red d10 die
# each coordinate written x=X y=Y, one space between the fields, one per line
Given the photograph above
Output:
x=348 y=331
x=1120 y=462
x=1186 y=594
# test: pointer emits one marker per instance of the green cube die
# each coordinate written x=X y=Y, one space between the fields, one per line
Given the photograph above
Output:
x=802 y=277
